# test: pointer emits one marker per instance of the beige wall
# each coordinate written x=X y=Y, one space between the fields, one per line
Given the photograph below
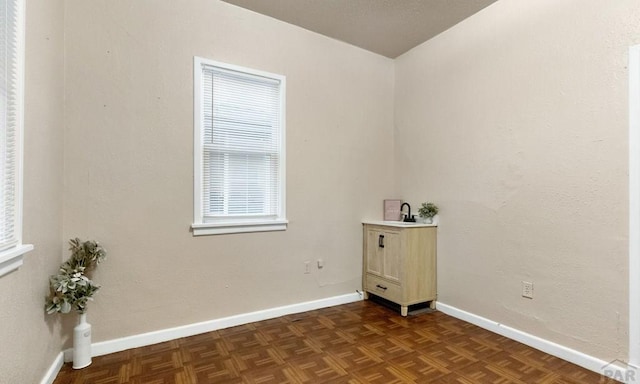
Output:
x=129 y=161
x=29 y=339
x=515 y=123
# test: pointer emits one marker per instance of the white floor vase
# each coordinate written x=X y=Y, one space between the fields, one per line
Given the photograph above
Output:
x=82 y=343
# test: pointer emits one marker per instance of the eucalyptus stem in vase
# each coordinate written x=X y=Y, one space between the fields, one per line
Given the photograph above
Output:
x=72 y=288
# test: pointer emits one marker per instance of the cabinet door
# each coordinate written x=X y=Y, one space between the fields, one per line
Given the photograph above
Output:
x=392 y=260
x=375 y=253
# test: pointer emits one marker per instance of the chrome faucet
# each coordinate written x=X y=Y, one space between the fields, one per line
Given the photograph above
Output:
x=408 y=218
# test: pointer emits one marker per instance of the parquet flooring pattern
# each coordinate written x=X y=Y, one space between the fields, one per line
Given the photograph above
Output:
x=361 y=342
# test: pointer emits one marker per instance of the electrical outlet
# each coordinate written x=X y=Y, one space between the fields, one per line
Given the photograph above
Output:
x=320 y=263
x=527 y=290
x=307 y=267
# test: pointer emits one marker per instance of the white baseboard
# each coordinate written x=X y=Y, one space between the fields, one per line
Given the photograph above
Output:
x=141 y=340
x=55 y=367
x=615 y=369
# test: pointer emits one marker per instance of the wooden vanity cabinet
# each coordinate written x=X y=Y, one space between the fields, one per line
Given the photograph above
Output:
x=399 y=263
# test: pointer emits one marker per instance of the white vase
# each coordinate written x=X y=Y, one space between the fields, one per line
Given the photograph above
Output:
x=82 y=343
x=427 y=220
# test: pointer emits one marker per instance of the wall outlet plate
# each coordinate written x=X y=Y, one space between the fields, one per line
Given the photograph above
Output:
x=527 y=289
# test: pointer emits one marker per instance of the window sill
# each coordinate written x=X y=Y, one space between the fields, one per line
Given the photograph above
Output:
x=203 y=229
x=11 y=259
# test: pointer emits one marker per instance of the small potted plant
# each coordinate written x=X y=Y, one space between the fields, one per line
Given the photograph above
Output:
x=72 y=288
x=427 y=211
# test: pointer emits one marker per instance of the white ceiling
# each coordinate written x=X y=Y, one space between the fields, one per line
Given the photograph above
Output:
x=387 y=27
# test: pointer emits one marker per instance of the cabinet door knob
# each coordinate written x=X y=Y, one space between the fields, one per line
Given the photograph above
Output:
x=381 y=241
x=381 y=287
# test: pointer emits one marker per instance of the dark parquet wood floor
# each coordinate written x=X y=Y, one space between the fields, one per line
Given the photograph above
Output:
x=361 y=342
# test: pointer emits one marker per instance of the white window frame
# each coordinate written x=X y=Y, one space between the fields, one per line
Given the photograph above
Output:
x=202 y=226
x=11 y=257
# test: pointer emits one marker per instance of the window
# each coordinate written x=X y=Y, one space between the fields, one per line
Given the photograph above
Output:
x=11 y=94
x=239 y=149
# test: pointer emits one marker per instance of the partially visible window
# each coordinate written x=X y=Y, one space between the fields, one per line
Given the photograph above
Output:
x=239 y=149
x=11 y=100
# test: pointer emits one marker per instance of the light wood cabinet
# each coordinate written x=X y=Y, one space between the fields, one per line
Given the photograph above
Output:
x=399 y=263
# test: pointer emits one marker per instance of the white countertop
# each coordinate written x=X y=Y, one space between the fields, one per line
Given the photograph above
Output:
x=400 y=224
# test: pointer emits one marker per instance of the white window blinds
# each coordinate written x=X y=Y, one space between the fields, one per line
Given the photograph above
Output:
x=241 y=144
x=11 y=93
x=10 y=105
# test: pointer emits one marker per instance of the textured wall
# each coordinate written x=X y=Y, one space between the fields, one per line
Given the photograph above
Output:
x=515 y=122
x=129 y=161
x=29 y=339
